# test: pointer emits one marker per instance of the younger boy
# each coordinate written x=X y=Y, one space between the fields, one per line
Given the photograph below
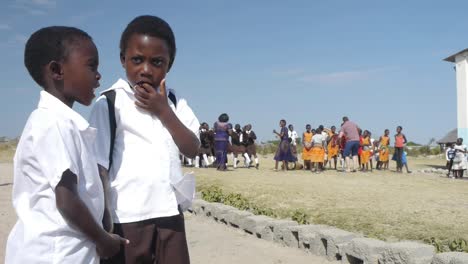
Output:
x=151 y=130
x=57 y=193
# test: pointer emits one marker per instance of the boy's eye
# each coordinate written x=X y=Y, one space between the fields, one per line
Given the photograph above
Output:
x=93 y=66
x=158 y=62
x=137 y=60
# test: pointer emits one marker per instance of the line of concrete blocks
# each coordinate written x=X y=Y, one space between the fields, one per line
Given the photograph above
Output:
x=333 y=243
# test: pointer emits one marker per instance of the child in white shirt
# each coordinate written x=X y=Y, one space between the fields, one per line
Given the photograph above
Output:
x=57 y=192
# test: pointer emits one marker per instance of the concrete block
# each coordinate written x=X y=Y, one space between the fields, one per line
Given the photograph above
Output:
x=254 y=224
x=271 y=231
x=450 y=258
x=334 y=239
x=407 y=252
x=218 y=211
x=363 y=251
x=235 y=217
x=198 y=206
x=310 y=241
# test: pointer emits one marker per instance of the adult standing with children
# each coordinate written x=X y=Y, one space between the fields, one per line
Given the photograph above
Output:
x=222 y=130
x=459 y=161
x=351 y=133
x=283 y=153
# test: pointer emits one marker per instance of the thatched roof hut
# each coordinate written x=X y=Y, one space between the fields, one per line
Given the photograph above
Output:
x=448 y=139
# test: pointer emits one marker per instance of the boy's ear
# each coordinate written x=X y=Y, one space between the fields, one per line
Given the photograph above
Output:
x=55 y=70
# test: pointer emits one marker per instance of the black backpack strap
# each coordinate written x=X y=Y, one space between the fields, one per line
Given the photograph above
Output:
x=110 y=97
x=172 y=97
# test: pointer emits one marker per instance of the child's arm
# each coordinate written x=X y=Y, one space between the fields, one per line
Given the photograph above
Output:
x=72 y=208
x=107 y=220
x=156 y=102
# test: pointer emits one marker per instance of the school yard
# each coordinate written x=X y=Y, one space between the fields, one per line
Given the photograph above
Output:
x=378 y=204
x=209 y=242
x=383 y=205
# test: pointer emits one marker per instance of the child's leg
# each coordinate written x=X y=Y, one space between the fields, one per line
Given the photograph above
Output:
x=247 y=159
x=276 y=165
x=406 y=166
x=170 y=241
x=197 y=161
x=285 y=165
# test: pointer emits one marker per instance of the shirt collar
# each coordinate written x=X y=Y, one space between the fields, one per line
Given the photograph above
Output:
x=48 y=101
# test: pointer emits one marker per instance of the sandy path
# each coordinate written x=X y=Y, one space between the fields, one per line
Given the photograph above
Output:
x=209 y=242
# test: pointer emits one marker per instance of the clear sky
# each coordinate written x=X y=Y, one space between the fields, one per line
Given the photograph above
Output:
x=261 y=61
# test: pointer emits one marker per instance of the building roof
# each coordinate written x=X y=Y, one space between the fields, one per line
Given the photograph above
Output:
x=451 y=137
x=452 y=57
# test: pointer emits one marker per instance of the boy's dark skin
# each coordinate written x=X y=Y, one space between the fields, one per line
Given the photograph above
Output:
x=74 y=79
x=146 y=62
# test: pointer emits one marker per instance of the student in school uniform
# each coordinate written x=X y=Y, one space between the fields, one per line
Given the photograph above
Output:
x=251 y=148
x=319 y=150
x=238 y=146
x=365 y=152
x=384 y=151
x=205 y=149
x=58 y=195
x=332 y=144
x=307 y=147
x=292 y=134
x=151 y=130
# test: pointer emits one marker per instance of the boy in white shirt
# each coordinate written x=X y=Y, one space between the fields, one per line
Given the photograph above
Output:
x=57 y=192
x=151 y=130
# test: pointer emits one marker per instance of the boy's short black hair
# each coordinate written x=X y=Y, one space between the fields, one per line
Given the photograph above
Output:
x=152 y=26
x=49 y=44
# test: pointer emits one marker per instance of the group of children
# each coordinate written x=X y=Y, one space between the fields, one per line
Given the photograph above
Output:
x=104 y=190
x=322 y=146
x=456 y=159
x=239 y=143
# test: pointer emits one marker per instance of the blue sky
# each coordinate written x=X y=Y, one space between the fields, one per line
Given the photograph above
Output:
x=380 y=63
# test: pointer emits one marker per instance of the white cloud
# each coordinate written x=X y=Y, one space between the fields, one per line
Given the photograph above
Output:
x=46 y=3
x=34 y=7
x=84 y=17
x=289 y=72
x=14 y=40
x=5 y=27
x=342 y=77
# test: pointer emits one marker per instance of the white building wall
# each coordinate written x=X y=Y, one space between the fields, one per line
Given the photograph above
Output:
x=461 y=64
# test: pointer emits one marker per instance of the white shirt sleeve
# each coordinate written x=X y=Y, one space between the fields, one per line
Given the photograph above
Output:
x=99 y=119
x=187 y=117
x=58 y=150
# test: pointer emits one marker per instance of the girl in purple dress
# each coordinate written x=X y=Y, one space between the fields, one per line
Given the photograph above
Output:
x=221 y=138
x=283 y=153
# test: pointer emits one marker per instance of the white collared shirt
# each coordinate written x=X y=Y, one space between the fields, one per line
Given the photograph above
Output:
x=293 y=135
x=145 y=157
x=55 y=139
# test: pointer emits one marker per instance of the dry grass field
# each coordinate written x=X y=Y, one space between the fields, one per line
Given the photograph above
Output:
x=383 y=205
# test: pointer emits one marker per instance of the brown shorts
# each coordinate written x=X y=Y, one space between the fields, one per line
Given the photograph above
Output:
x=238 y=149
x=252 y=150
x=206 y=151
x=158 y=240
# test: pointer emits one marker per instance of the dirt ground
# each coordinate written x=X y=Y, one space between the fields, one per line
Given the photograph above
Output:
x=384 y=205
x=209 y=242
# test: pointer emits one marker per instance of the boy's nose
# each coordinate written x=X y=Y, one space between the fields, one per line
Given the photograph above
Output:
x=146 y=70
x=98 y=76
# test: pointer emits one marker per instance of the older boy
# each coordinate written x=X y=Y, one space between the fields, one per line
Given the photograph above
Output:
x=151 y=131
